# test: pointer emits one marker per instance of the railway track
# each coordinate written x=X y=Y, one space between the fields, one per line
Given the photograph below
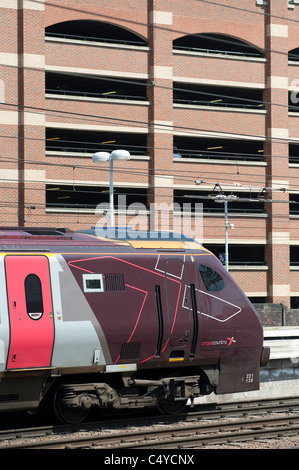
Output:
x=184 y=437
x=226 y=424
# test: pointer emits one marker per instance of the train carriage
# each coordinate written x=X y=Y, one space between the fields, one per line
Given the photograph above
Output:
x=118 y=323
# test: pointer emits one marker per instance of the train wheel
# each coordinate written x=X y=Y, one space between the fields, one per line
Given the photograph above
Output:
x=68 y=414
x=169 y=407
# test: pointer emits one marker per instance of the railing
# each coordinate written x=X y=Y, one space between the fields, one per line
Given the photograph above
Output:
x=86 y=149
x=245 y=210
x=143 y=43
x=293 y=57
x=219 y=156
x=89 y=207
x=89 y=148
x=94 y=94
x=95 y=39
x=58 y=91
x=218 y=51
x=247 y=263
x=75 y=205
x=219 y=103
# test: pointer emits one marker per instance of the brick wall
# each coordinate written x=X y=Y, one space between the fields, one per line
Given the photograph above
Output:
x=26 y=167
x=277 y=315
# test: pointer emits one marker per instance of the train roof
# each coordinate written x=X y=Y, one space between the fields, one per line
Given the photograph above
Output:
x=63 y=239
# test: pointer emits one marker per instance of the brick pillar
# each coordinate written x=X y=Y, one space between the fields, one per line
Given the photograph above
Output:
x=276 y=151
x=9 y=77
x=22 y=118
x=160 y=140
x=32 y=59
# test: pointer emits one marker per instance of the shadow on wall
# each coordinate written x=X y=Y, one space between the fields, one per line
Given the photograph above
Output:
x=2 y=94
x=277 y=315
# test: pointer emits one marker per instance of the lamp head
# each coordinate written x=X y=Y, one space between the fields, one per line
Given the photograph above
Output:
x=120 y=155
x=100 y=157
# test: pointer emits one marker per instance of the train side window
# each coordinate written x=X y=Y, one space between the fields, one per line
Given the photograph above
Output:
x=93 y=283
x=34 y=297
x=212 y=280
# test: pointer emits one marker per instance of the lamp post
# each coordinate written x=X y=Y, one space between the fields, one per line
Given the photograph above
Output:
x=225 y=199
x=104 y=157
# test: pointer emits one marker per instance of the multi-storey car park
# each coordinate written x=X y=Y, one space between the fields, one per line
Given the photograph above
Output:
x=193 y=89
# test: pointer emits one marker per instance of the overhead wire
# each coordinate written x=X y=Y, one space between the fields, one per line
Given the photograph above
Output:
x=119 y=8
x=35 y=109
x=148 y=85
x=246 y=10
x=192 y=129
x=178 y=88
x=204 y=132
x=179 y=176
x=230 y=41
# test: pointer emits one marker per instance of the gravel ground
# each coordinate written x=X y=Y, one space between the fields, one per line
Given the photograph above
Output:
x=282 y=443
x=291 y=442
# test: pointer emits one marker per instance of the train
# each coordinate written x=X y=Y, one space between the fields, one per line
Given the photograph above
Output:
x=112 y=323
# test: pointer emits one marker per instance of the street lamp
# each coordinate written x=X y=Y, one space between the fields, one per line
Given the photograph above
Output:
x=225 y=199
x=104 y=157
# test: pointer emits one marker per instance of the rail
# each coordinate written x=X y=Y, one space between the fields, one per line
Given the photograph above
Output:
x=243 y=421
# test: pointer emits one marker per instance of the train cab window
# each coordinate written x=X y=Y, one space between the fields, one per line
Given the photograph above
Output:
x=93 y=283
x=212 y=280
x=34 y=297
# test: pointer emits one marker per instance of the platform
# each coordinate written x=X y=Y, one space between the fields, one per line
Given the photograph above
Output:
x=280 y=378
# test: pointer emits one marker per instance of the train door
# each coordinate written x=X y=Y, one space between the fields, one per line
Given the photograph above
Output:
x=178 y=303
x=30 y=311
